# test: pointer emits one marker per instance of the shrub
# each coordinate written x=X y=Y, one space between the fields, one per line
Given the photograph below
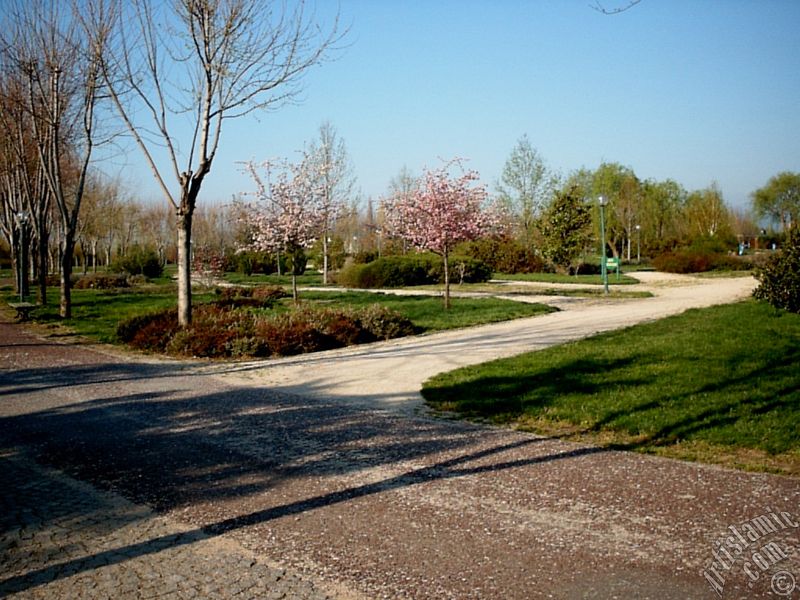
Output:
x=585 y=268
x=503 y=255
x=224 y=331
x=139 y=261
x=463 y=269
x=262 y=296
x=410 y=270
x=779 y=278
x=695 y=261
x=291 y=333
x=150 y=331
x=101 y=281
x=212 y=333
x=383 y=323
x=363 y=257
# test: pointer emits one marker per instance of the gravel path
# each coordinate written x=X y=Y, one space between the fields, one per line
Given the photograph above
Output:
x=134 y=478
x=390 y=375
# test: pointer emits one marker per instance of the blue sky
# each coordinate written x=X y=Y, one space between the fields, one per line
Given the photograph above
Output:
x=697 y=91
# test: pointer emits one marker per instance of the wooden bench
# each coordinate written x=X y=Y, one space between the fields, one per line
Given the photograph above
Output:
x=23 y=309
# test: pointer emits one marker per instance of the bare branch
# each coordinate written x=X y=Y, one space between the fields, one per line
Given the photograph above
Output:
x=613 y=11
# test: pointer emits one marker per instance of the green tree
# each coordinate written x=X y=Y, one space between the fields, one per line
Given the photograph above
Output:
x=622 y=190
x=706 y=215
x=662 y=205
x=779 y=199
x=565 y=228
x=525 y=187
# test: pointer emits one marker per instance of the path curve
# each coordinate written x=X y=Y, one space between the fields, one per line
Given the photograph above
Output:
x=390 y=374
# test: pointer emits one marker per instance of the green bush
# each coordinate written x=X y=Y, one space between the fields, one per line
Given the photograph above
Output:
x=139 y=261
x=698 y=261
x=779 y=278
x=262 y=296
x=504 y=255
x=101 y=281
x=410 y=270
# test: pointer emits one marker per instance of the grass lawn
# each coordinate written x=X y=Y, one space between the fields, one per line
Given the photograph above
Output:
x=558 y=278
x=427 y=312
x=718 y=385
x=96 y=313
x=309 y=279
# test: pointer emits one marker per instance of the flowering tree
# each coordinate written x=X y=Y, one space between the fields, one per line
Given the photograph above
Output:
x=441 y=212
x=287 y=215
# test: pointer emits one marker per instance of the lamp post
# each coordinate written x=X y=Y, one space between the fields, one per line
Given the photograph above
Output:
x=603 y=267
x=22 y=223
x=638 y=244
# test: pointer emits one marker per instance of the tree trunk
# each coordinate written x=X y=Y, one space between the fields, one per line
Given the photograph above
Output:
x=294 y=286
x=184 y=269
x=65 y=309
x=446 y=282
x=325 y=259
x=43 y=243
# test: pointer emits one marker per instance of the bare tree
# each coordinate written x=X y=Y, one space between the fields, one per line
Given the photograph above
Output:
x=336 y=182
x=60 y=70
x=190 y=65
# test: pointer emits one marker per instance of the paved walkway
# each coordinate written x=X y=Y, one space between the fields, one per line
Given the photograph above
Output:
x=146 y=478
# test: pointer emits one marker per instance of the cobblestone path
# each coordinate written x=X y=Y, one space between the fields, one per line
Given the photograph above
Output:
x=62 y=538
x=123 y=478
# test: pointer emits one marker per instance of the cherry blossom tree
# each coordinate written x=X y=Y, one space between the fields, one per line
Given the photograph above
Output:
x=441 y=212
x=288 y=212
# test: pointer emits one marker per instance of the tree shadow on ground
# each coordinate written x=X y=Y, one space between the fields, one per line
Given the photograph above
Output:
x=156 y=441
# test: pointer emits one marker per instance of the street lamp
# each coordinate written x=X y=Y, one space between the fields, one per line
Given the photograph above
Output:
x=603 y=267
x=22 y=223
x=638 y=244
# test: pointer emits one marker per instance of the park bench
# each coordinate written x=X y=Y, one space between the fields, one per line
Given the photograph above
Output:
x=23 y=309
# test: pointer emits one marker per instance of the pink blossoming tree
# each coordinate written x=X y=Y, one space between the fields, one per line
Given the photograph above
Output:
x=441 y=212
x=288 y=212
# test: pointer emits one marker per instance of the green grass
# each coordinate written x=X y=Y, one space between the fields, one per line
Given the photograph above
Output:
x=718 y=384
x=558 y=278
x=305 y=280
x=427 y=313
x=96 y=313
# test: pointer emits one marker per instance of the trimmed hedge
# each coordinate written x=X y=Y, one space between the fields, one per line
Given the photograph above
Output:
x=410 y=270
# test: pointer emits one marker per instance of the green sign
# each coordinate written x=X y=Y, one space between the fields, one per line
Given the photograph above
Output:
x=612 y=263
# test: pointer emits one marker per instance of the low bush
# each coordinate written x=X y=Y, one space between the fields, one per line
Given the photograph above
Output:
x=151 y=331
x=410 y=270
x=139 y=261
x=101 y=281
x=695 y=261
x=261 y=296
x=224 y=331
x=504 y=255
x=779 y=278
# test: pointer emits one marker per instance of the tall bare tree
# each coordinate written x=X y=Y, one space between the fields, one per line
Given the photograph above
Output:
x=44 y=42
x=178 y=70
x=336 y=182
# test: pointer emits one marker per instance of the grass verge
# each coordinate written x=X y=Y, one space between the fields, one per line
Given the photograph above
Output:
x=96 y=313
x=576 y=279
x=718 y=385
